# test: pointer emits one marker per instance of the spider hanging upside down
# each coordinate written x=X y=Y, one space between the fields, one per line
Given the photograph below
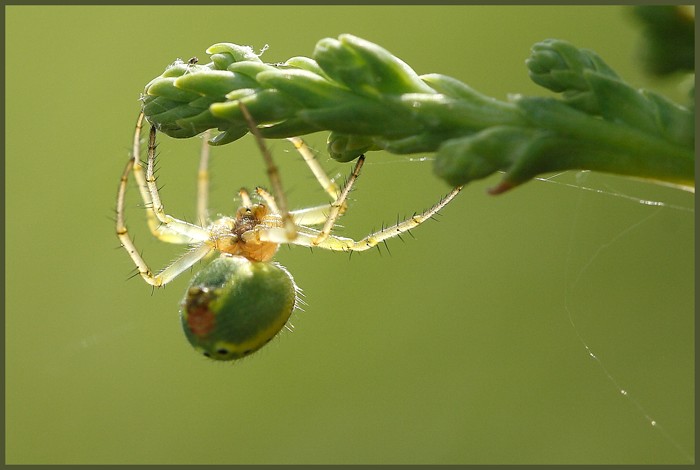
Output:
x=237 y=303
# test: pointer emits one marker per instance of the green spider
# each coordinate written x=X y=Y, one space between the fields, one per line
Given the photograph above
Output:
x=240 y=300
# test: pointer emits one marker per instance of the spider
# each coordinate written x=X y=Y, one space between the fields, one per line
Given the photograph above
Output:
x=240 y=300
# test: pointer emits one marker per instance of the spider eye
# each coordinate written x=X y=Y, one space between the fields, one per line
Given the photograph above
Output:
x=234 y=306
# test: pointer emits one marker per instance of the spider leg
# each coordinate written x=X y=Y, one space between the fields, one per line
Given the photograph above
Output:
x=339 y=204
x=170 y=272
x=139 y=176
x=273 y=174
x=174 y=269
x=311 y=215
x=203 y=181
x=319 y=214
x=397 y=229
x=308 y=237
x=268 y=198
x=158 y=230
x=321 y=176
x=245 y=198
x=187 y=231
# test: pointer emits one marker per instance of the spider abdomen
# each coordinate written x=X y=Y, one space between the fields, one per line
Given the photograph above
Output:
x=235 y=306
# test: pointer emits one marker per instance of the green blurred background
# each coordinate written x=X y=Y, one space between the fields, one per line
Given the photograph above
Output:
x=465 y=345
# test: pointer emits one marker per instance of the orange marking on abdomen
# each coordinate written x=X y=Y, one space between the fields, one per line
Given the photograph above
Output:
x=201 y=321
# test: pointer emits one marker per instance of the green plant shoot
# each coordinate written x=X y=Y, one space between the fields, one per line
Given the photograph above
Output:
x=370 y=100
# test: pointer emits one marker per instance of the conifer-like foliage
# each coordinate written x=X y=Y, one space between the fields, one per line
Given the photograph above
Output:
x=370 y=100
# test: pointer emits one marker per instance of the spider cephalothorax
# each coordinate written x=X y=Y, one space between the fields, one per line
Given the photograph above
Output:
x=236 y=236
